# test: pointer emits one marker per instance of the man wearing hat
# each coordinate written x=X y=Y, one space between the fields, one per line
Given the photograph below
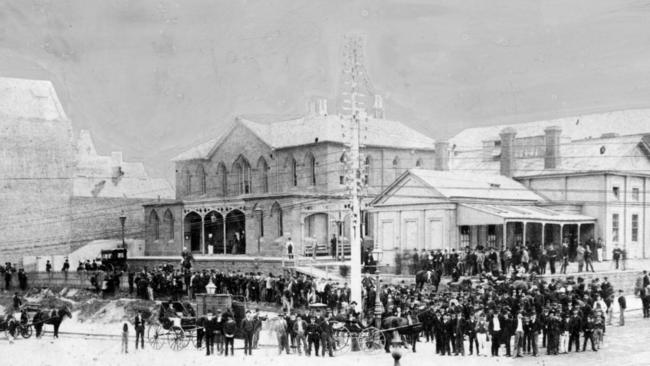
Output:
x=622 y=305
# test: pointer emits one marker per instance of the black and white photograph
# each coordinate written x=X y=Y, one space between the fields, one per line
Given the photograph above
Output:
x=324 y=182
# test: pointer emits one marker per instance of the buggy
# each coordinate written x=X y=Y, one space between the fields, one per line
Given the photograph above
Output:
x=177 y=324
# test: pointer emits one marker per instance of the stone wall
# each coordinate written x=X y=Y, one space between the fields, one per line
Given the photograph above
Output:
x=95 y=218
x=36 y=167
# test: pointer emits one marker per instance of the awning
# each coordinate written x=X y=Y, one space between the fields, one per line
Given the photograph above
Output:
x=486 y=214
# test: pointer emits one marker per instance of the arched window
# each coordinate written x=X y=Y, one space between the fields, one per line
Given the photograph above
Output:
x=222 y=174
x=154 y=224
x=187 y=177
x=310 y=167
x=276 y=216
x=418 y=163
x=168 y=220
x=396 y=168
x=294 y=172
x=242 y=172
x=263 y=175
x=200 y=177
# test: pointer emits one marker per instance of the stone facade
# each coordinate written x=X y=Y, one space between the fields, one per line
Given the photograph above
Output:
x=36 y=167
x=295 y=188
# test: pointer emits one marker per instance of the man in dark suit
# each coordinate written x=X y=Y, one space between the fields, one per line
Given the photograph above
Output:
x=326 y=335
x=139 y=330
x=575 y=326
x=622 y=304
x=210 y=327
x=494 y=328
x=248 y=328
x=508 y=330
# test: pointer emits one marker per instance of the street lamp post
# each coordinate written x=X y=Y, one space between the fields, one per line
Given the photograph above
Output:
x=122 y=222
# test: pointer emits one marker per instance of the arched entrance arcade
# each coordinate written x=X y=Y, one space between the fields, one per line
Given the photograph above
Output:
x=215 y=230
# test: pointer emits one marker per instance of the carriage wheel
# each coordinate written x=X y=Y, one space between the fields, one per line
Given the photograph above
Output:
x=26 y=331
x=177 y=338
x=372 y=340
x=194 y=338
x=341 y=339
x=154 y=336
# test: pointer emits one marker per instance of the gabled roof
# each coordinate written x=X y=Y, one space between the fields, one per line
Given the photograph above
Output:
x=287 y=131
x=30 y=99
x=466 y=186
x=625 y=122
x=622 y=153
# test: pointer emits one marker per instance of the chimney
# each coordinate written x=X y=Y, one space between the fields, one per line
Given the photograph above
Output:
x=378 y=107
x=507 y=151
x=552 y=152
x=442 y=155
x=321 y=107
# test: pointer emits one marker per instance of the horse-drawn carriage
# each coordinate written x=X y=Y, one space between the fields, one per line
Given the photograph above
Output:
x=347 y=334
x=179 y=323
x=33 y=317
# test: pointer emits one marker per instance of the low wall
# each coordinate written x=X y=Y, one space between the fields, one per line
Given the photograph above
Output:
x=57 y=280
x=241 y=264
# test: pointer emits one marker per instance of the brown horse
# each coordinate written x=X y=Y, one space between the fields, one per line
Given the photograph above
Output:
x=431 y=277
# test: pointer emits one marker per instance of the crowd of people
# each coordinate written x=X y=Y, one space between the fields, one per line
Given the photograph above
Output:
x=529 y=258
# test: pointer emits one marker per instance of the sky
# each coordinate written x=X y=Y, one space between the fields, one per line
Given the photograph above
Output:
x=154 y=78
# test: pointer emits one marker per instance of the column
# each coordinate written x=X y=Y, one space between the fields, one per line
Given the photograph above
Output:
x=543 y=234
x=505 y=233
x=523 y=232
x=202 y=235
x=182 y=230
x=224 y=233
x=579 y=225
x=561 y=233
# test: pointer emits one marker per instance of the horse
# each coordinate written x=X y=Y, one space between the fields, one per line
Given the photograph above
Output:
x=401 y=325
x=430 y=276
x=54 y=317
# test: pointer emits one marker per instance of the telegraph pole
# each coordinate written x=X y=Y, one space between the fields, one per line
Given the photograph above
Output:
x=355 y=78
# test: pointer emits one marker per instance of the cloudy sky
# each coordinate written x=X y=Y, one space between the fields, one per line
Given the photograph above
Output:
x=152 y=78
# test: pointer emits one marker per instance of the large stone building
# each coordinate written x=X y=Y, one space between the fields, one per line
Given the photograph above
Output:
x=599 y=163
x=56 y=192
x=267 y=178
x=36 y=169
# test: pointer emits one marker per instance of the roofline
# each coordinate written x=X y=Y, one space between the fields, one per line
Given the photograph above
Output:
x=343 y=144
x=583 y=173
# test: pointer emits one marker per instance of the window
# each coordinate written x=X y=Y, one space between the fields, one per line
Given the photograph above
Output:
x=635 y=227
x=223 y=174
x=188 y=181
x=616 y=192
x=491 y=236
x=263 y=173
x=276 y=215
x=367 y=229
x=169 y=224
x=615 y=228
x=310 y=164
x=261 y=218
x=343 y=168
x=635 y=194
x=154 y=224
x=294 y=172
x=418 y=164
x=200 y=173
x=464 y=236
x=242 y=172
x=396 y=171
